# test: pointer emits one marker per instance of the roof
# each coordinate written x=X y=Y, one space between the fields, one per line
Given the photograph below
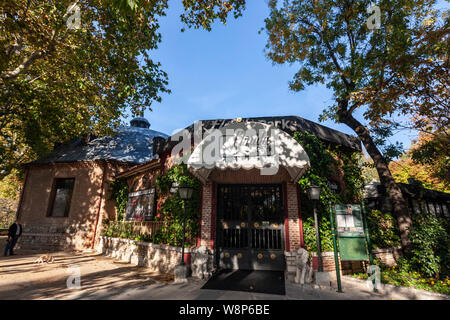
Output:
x=289 y=124
x=376 y=190
x=129 y=144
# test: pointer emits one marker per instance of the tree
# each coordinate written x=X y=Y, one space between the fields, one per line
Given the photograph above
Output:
x=426 y=162
x=59 y=82
x=332 y=44
x=71 y=68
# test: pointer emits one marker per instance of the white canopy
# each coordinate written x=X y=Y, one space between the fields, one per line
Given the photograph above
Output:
x=248 y=145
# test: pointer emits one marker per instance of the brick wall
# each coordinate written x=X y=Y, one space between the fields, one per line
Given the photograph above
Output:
x=206 y=221
x=388 y=256
x=77 y=229
x=293 y=216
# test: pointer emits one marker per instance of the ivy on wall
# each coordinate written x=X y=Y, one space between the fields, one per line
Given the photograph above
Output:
x=383 y=230
x=119 y=193
x=326 y=161
x=171 y=208
x=309 y=234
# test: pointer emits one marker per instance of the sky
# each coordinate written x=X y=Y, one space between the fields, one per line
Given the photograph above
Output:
x=224 y=73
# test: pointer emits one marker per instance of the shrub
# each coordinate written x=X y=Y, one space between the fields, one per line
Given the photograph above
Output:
x=429 y=253
x=119 y=193
x=403 y=275
x=309 y=234
x=383 y=230
x=171 y=209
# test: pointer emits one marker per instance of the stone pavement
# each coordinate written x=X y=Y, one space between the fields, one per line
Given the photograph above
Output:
x=104 y=278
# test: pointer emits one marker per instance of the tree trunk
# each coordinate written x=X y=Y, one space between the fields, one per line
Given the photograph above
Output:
x=399 y=204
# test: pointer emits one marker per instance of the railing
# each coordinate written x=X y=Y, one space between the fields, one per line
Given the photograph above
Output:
x=147 y=227
x=136 y=230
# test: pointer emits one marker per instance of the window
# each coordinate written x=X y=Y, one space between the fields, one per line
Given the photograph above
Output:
x=445 y=210
x=60 y=197
x=141 y=205
x=438 y=209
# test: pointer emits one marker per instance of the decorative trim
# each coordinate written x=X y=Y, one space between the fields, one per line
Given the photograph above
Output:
x=213 y=215
x=286 y=218
x=300 y=219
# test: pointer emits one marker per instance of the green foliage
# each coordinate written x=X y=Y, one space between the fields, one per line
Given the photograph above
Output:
x=402 y=275
x=430 y=243
x=331 y=44
x=322 y=162
x=380 y=135
x=325 y=163
x=432 y=151
x=124 y=230
x=171 y=208
x=370 y=71
x=11 y=185
x=200 y=14
x=75 y=81
x=58 y=83
x=353 y=177
x=119 y=193
x=309 y=234
x=383 y=230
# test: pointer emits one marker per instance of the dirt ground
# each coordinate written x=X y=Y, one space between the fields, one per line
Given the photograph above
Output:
x=22 y=278
x=103 y=278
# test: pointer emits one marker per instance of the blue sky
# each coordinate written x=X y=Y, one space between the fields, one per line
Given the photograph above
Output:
x=225 y=74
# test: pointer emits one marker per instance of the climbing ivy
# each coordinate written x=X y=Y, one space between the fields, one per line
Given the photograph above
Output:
x=171 y=208
x=383 y=230
x=119 y=193
x=326 y=161
x=309 y=234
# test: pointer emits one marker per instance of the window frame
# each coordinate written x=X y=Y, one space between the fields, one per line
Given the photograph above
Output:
x=52 y=198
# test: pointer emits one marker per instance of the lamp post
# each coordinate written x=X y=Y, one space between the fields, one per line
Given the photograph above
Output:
x=314 y=195
x=185 y=193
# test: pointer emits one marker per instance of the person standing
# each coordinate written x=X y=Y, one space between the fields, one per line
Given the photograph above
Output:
x=14 y=232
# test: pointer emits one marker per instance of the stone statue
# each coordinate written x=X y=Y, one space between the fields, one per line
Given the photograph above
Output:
x=303 y=272
x=200 y=266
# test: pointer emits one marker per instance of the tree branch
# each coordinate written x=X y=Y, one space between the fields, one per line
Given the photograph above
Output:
x=9 y=75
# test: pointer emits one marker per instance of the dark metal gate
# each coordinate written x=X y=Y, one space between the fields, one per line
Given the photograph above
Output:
x=250 y=227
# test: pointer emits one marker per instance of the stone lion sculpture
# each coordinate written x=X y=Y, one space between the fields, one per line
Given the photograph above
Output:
x=200 y=266
x=303 y=272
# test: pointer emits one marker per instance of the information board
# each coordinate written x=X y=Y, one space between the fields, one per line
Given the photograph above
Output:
x=350 y=232
x=140 y=205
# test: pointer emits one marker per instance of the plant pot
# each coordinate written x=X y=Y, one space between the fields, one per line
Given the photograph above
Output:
x=187 y=258
x=315 y=263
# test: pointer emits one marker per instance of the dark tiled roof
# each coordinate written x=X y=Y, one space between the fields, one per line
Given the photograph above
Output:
x=377 y=190
x=289 y=124
x=129 y=144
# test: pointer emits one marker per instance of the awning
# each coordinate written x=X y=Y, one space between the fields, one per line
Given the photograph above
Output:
x=248 y=145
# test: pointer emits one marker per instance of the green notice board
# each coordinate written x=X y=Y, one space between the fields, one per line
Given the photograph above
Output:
x=350 y=232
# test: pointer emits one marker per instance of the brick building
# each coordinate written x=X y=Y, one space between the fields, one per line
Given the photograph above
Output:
x=250 y=213
x=250 y=219
x=65 y=194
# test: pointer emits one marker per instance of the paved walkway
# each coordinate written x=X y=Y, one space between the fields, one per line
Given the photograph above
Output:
x=104 y=278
